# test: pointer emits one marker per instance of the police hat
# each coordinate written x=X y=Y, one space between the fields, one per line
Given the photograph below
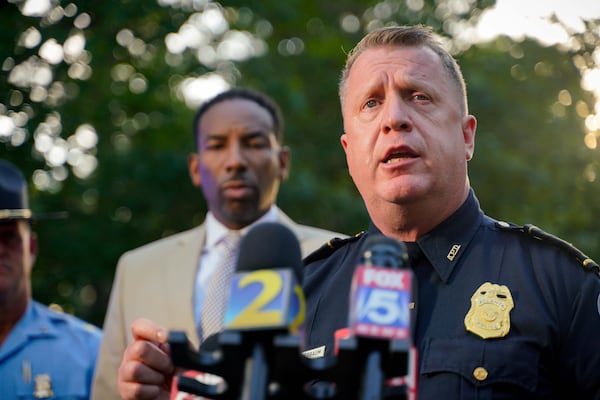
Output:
x=14 y=202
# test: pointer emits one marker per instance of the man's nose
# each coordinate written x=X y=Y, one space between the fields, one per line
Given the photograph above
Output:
x=235 y=156
x=395 y=116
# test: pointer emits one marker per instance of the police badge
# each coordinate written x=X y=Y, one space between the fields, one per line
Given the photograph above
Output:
x=488 y=316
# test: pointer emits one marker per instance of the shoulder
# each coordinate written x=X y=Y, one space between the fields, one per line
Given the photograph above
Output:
x=67 y=323
x=166 y=244
x=312 y=238
x=313 y=232
x=306 y=232
x=332 y=246
x=549 y=241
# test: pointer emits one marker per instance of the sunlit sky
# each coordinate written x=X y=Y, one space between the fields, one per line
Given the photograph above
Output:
x=531 y=17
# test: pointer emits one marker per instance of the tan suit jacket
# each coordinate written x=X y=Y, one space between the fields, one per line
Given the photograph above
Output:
x=157 y=281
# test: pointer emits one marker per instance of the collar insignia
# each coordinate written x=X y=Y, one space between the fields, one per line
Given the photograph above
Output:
x=453 y=252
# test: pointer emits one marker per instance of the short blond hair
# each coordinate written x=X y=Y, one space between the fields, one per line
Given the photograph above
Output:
x=405 y=36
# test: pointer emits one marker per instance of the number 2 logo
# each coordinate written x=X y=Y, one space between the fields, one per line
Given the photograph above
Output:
x=255 y=315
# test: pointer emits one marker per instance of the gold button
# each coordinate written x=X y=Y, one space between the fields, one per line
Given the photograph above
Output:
x=480 y=373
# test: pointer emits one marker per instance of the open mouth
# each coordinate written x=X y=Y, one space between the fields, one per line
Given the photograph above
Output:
x=399 y=155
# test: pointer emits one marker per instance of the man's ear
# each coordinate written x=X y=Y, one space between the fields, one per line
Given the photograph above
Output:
x=468 y=129
x=194 y=169
x=33 y=247
x=343 y=140
x=285 y=157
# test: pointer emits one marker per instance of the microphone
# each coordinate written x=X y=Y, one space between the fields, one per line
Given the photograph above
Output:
x=265 y=300
x=265 y=292
x=264 y=312
x=379 y=343
x=381 y=290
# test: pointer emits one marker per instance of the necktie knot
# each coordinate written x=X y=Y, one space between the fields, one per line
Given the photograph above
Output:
x=231 y=241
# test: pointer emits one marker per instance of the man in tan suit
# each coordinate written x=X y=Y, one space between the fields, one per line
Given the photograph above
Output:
x=239 y=164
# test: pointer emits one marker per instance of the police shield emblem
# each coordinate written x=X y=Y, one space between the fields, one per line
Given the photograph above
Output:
x=488 y=316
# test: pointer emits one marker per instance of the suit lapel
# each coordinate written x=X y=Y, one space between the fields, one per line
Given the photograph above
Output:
x=180 y=282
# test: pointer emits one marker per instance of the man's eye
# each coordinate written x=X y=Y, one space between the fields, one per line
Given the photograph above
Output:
x=257 y=141
x=370 y=103
x=213 y=145
x=258 y=144
x=420 y=97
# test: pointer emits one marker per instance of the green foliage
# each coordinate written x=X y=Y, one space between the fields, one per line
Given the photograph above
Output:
x=530 y=164
x=530 y=157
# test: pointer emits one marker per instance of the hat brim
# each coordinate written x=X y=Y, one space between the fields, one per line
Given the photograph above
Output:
x=27 y=214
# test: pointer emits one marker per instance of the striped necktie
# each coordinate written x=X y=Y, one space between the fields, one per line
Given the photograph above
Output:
x=213 y=310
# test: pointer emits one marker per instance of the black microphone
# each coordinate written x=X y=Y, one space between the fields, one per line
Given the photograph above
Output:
x=265 y=292
x=265 y=310
x=265 y=301
x=381 y=290
x=379 y=341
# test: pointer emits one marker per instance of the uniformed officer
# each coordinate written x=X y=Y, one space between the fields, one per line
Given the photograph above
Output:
x=44 y=354
x=500 y=311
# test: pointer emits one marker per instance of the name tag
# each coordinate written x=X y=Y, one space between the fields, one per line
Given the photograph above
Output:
x=317 y=352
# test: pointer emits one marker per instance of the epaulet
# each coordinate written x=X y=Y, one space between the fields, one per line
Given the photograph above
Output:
x=328 y=248
x=56 y=313
x=536 y=233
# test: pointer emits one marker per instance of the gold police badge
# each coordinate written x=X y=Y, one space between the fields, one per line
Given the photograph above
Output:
x=488 y=316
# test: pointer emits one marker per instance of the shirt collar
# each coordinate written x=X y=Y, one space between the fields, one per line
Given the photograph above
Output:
x=446 y=243
x=216 y=231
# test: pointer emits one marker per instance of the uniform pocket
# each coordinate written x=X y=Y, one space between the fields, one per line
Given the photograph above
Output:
x=484 y=363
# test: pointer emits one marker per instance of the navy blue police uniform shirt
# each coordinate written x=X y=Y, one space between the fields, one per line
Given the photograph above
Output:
x=548 y=289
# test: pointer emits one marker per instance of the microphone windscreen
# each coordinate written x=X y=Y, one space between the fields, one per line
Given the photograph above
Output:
x=270 y=245
x=382 y=251
x=381 y=290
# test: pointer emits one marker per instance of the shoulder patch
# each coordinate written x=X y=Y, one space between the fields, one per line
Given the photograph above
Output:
x=331 y=246
x=536 y=233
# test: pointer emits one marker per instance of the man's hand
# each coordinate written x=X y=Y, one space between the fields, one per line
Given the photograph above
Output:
x=146 y=370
